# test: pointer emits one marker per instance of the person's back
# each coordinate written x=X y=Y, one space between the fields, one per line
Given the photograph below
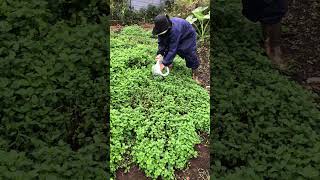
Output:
x=181 y=26
x=176 y=36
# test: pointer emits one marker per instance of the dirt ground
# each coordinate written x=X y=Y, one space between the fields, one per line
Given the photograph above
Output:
x=203 y=72
x=301 y=43
x=198 y=168
x=134 y=173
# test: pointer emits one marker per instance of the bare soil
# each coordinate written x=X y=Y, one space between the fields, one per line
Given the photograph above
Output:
x=203 y=72
x=133 y=174
x=301 y=43
x=198 y=168
x=116 y=28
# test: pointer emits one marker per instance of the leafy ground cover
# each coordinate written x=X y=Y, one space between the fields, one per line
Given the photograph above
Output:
x=53 y=91
x=203 y=73
x=264 y=126
x=155 y=122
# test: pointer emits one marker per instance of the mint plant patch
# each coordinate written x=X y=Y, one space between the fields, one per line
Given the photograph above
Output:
x=53 y=92
x=155 y=121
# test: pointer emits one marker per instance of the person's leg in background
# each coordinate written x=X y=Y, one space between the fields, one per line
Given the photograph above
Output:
x=188 y=51
x=270 y=14
x=272 y=41
x=192 y=61
x=271 y=28
x=266 y=38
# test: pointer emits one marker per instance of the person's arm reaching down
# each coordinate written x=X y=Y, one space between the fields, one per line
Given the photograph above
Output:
x=161 y=46
x=173 y=47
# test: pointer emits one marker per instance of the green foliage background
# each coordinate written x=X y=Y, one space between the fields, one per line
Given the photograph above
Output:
x=121 y=13
x=264 y=126
x=155 y=121
x=53 y=89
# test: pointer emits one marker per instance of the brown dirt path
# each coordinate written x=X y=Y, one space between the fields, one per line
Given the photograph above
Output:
x=198 y=168
x=301 y=42
x=203 y=72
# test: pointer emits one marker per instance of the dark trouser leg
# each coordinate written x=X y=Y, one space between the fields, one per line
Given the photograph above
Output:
x=192 y=62
x=275 y=35
x=191 y=59
x=272 y=36
x=271 y=29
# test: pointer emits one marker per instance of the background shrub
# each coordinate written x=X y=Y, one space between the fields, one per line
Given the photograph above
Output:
x=264 y=125
x=123 y=14
x=53 y=91
x=183 y=8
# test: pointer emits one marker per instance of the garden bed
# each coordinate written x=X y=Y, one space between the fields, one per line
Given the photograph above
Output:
x=198 y=168
x=156 y=122
x=203 y=49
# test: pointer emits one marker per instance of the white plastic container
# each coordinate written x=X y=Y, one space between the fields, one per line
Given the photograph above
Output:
x=156 y=69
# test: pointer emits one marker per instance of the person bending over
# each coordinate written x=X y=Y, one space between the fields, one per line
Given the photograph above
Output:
x=269 y=13
x=176 y=36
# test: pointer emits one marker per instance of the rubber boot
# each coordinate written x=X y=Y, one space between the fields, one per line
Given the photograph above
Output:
x=266 y=39
x=275 y=44
x=272 y=41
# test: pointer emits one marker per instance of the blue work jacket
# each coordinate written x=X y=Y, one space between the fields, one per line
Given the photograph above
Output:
x=265 y=11
x=180 y=39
